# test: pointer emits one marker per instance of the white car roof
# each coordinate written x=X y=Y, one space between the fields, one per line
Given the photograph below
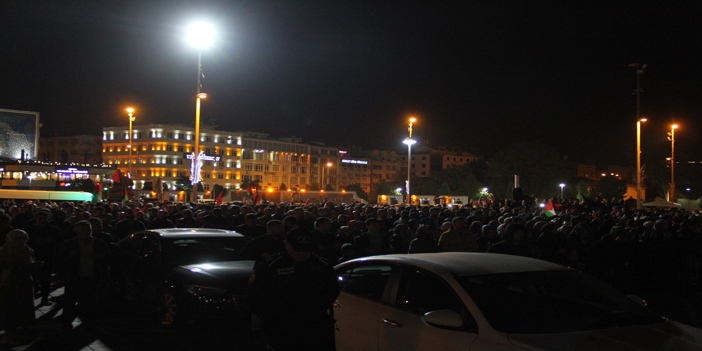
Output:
x=469 y=263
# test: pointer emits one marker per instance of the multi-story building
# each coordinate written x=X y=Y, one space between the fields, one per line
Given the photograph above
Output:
x=70 y=149
x=425 y=160
x=370 y=167
x=162 y=152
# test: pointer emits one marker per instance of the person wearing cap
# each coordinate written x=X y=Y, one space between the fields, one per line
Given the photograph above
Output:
x=292 y=292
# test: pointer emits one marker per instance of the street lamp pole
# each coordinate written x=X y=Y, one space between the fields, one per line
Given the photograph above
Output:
x=562 y=186
x=671 y=197
x=639 y=196
x=639 y=71
x=200 y=35
x=329 y=164
x=409 y=142
x=131 y=120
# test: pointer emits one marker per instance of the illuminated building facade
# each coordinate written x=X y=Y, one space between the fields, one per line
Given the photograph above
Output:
x=161 y=152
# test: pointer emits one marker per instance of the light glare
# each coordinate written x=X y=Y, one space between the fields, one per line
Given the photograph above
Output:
x=201 y=35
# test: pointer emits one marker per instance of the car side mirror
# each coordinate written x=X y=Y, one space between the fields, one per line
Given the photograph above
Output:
x=443 y=319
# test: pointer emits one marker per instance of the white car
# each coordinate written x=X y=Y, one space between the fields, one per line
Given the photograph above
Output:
x=477 y=301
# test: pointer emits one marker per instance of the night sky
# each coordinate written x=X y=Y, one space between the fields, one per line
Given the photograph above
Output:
x=477 y=74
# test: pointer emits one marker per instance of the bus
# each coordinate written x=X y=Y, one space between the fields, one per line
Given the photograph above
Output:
x=45 y=195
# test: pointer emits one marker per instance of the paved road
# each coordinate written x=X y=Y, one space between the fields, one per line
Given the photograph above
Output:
x=127 y=327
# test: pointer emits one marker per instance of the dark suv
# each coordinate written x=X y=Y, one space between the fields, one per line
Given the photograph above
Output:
x=185 y=273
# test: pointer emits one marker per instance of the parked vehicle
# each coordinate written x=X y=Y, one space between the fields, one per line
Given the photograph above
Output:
x=185 y=273
x=478 y=301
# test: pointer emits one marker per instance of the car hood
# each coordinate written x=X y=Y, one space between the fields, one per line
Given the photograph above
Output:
x=668 y=335
x=217 y=274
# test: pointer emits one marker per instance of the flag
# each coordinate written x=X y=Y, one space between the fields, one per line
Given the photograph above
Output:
x=126 y=195
x=116 y=177
x=549 y=211
x=220 y=197
x=97 y=194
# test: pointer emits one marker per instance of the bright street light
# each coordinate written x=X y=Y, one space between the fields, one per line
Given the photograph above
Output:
x=329 y=164
x=131 y=120
x=562 y=186
x=639 y=199
x=409 y=142
x=671 y=137
x=200 y=35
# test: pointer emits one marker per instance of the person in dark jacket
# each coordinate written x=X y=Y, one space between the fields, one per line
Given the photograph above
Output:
x=44 y=239
x=17 y=264
x=293 y=293
x=82 y=263
x=512 y=242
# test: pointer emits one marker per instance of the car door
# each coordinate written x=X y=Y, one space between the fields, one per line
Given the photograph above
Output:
x=140 y=270
x=364 y=291
x=415 y=293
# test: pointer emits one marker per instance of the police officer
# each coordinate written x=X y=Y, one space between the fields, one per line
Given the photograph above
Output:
x=293 y=292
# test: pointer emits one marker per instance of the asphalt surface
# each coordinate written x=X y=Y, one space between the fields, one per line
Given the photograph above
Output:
x=126 y=326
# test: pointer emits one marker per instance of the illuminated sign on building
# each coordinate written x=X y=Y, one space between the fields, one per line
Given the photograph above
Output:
x=356 y=162
x=204 y=157
x=72 y=170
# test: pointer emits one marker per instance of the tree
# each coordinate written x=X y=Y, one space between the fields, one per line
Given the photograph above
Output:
x=358 y=189
x=445 y=189
x=610 y=187
x=538 y=165
x=283 y=187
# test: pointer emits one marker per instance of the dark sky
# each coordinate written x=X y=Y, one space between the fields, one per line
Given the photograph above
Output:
x=481 y=74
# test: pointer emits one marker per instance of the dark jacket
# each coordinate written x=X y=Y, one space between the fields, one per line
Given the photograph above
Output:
x=67 y=261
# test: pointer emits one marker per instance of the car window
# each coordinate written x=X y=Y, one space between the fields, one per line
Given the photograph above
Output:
x=365 y=280
x=140 y=244
x=552 y=302
x=198 y=249
x=420 y=292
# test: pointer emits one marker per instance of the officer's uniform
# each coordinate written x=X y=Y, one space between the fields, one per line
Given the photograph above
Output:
x=294 y=298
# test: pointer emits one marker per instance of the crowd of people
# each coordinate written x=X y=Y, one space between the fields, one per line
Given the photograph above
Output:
x=44 y=242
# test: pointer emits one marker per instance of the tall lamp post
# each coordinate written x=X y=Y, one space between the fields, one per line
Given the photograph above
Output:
x=200 y=35
x=639 y=72
x=671 y=137
x=562 y=186
x=639 y=199
x=131 y=120
x=409 y=142
x=329 y=164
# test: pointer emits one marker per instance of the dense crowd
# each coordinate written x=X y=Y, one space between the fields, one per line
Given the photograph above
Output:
x=628 y=248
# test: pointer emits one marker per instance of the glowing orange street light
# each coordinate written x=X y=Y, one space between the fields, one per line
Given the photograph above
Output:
x=671 y=137
x=638 y=163
x=131 y=120
x=409 y=142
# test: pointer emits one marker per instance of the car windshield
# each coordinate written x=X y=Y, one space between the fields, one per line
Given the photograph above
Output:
x=552 y=302
x=191 y=250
